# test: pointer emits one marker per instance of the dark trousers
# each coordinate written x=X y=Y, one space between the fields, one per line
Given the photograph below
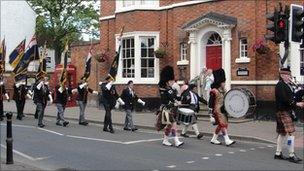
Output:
x=1 y=109
x=20 y=107
x=40 y=108
x=36 y=112
x=108 y=118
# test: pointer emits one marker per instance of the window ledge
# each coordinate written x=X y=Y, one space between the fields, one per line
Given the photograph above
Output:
x=183 y=62
x=137 y=81
x=242 y=60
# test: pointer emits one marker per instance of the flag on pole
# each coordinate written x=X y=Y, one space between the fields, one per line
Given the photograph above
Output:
x=87 y=71
x=114 y=66
x=63 y=77
x=42 y=64
x=17 y=54
x=2 y=57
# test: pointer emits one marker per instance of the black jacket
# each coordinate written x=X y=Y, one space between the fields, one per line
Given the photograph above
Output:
x=186 y=99
x=128 y=98
x=20 y=93
x=167 y=96
x=83 y=93
x=42 y=95
x=62 y=98
x=2 y=91
x=109 y=97
x=284 y=97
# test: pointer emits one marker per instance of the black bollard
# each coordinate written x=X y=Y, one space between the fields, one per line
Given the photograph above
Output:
x=9 y=139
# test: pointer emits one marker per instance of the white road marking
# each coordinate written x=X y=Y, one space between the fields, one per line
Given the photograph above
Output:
x=218 y=155
x=54 y=132
x=242 y=150
x=189 y=162
x=231 y=152
x=261 y=147
x=139 y=141
x=252 y=149
x=171 y=166
x=95 y=139
x=205 y=158
x=27 y=156
x=270 y=146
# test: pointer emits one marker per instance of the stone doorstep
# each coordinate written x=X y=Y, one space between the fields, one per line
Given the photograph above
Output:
x=208 y=134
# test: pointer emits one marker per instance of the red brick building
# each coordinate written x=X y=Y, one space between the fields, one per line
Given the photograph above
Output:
x=195 y=34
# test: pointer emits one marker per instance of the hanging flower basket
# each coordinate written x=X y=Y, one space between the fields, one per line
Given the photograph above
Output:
x=102 y=57
x=260 y=47
x=160 y=53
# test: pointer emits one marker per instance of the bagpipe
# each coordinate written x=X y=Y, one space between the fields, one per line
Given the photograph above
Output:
x=298 y=91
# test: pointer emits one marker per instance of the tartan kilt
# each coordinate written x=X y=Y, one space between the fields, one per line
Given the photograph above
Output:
x=284 y=123
x=162 y=119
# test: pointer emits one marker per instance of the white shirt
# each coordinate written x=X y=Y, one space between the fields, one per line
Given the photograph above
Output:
x=193 y=98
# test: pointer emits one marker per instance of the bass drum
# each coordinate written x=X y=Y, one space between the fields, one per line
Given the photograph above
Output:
x=239 y=102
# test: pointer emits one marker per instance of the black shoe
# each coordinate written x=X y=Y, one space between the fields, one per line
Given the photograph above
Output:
x=65 y=123
x=22 y=115
x=36 y=116
x=127 y=129
x=294 y=159
x=185 y=135
x=83 y=123
x=200 y=135
x=105 y=130
x=111 y=131
x=41 y=125
x=19 y=118
x=58 y=123
x=280 y=157
x=134 y=129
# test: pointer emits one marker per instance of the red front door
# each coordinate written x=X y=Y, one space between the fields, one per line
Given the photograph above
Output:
x=214 y=57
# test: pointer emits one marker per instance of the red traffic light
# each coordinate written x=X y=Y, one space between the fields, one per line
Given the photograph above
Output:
x=281 y=24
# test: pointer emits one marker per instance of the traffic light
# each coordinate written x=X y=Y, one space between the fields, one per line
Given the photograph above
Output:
x=282 y=27
x=297 y=32
x=272 y=27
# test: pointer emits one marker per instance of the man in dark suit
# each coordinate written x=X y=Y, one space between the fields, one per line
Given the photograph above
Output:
x=20 y=95
x=82 y=99
x=62 y=94
x=110 y=100
x=129 y=97
x=286 y=104
x=191 y=98
x=2 y=93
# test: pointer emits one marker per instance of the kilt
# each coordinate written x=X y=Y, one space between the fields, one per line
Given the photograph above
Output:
x=164 y=117
x=284 y=123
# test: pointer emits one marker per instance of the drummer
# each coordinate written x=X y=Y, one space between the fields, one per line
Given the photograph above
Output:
x=191 y=98
x=218 y=111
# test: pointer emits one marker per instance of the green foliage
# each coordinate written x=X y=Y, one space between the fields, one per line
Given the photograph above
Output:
x=59 y=21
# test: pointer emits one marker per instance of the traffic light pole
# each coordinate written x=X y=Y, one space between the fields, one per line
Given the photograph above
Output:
x=283 y=60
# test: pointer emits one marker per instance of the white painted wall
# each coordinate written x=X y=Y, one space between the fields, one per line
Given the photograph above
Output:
x=17 y=22
x=50 y=63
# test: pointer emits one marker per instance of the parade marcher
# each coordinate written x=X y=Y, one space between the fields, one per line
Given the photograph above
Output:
x=191 y=98
x=167 y=115
x=2 y=93
x=63 y=92
x=110 y=100
x=41 y=96
x=82 y=98
x=129 y=97
x=285 y=105
x=218 y=111
x=20 y=95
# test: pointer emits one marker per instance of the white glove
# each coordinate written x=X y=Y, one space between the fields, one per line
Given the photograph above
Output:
x=51 y=98
x=109 y=85
x=121 y=101
x=141 y=102
x=28 y=96
x=95 y=92
x=6 y=96
x=177 y=103
x=117 y=105
x=100 y=83
x=74 y=91
x=60 y=89
x=81 y=86
x=212 y=120
x=40 y=85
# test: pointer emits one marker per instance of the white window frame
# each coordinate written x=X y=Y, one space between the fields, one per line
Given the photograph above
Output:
x=138 y=79
x=183 y=54
x=241 y=58
x=138 y=5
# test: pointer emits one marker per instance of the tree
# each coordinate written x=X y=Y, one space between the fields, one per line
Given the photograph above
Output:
x=59 y=21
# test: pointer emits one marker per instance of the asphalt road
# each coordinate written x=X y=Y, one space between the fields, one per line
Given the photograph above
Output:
x=88 y=148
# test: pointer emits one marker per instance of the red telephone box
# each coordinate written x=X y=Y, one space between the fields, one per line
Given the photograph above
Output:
x=71 y=81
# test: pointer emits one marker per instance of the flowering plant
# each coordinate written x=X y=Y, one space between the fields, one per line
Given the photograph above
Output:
x=260 y=47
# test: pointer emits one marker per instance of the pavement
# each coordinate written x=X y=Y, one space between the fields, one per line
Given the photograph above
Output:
x=250 y=133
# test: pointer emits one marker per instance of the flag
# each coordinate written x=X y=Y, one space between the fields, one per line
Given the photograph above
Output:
x=114 y=66
x=63 y=76
x=31 y=54
x=87 y=71
x=42 y=64
x=2 y=57
x=17 y=54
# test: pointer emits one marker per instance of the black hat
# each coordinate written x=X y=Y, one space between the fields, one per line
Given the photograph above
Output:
x=166 y=75
x=219 y=77
x=286 y=71
x=130 y=82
